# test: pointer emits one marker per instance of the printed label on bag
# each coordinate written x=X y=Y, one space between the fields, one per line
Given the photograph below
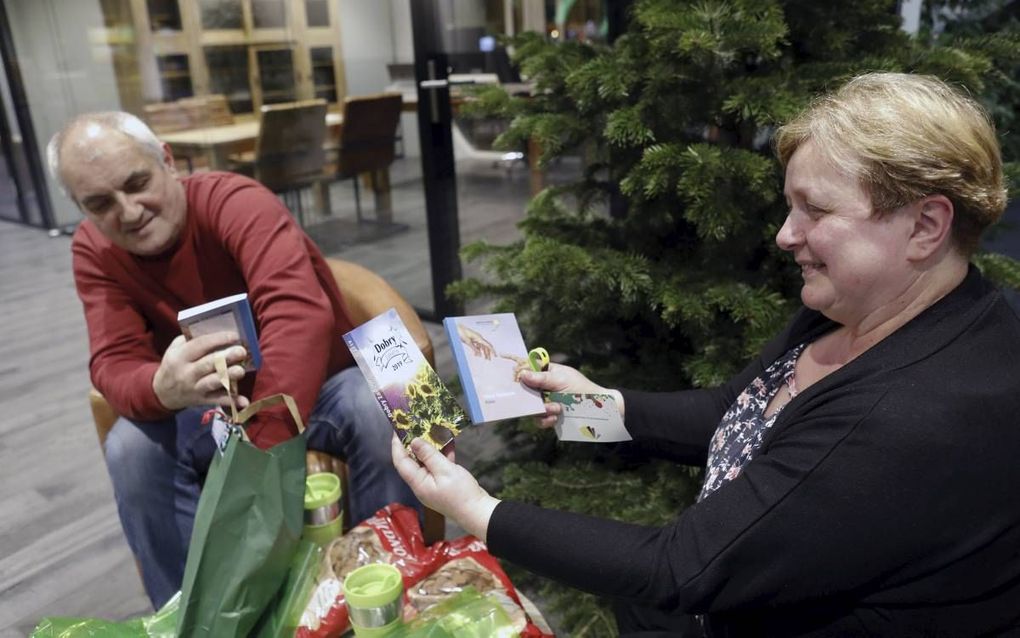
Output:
x=220 y=432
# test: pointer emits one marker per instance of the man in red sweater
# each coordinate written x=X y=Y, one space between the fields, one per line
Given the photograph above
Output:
x=153 y=244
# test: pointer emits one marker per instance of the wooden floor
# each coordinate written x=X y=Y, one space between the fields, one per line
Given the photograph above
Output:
x=62 y=551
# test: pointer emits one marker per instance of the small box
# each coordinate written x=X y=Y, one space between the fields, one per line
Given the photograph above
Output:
x=231 y=313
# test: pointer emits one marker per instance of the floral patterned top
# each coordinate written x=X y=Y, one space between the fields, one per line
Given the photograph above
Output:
x=743 y=427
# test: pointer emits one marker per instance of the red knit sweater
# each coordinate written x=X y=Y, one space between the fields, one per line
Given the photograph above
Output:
x=238 y=237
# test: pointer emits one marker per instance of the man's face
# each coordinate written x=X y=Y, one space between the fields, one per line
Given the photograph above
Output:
x=134 y=199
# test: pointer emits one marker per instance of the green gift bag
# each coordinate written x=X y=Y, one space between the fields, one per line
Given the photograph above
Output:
x=247 y=526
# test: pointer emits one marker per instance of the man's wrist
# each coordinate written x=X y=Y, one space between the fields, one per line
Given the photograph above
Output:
x=156 y=384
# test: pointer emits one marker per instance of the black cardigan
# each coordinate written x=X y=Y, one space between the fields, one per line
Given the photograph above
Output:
x=885 y=500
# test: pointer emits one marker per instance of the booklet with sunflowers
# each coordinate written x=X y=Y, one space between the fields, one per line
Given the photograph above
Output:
x=407 y=388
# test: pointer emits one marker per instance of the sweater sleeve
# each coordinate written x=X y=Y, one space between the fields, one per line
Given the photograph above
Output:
x=758 y=538
x=124 y=355
x=293 y=313
x=680 y=424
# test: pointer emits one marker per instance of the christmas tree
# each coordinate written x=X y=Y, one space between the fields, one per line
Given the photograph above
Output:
x=657 y=268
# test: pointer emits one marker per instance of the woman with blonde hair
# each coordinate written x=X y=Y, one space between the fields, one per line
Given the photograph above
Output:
x=861 y=473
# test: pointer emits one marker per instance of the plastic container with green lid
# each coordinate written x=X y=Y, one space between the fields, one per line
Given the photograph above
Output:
x=323 y=514
x=374 y=598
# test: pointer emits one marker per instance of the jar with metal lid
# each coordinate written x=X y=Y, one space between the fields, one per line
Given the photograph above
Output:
x=323 y=511
x=374 y=597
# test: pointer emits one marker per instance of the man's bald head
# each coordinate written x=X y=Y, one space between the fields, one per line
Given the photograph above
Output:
x=81 y=133
x=123 y=179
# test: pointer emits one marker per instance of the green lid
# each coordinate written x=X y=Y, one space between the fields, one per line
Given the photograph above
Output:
x=321 y=489
x=322 y=534
x=373 y=585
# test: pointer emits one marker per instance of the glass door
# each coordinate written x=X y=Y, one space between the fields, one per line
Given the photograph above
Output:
x=436 y=189
x=11 y=204
x=22 y=185
x=435 y=121
x=472 y=191
x=445 y=190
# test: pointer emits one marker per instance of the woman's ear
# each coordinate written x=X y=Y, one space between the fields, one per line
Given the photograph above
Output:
x=933 y=226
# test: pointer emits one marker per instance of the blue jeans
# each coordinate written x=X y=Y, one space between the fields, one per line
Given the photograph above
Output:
x=157 y=469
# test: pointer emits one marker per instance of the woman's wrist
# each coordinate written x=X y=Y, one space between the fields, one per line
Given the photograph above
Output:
x=617 y=398
x=476 y=514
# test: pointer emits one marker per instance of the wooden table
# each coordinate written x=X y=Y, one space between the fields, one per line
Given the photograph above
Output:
x=217 y=143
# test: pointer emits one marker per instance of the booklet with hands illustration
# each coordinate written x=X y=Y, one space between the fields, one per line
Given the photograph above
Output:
x=490 y=354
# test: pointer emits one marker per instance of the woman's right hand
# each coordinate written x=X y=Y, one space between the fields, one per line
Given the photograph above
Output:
x=561 y=378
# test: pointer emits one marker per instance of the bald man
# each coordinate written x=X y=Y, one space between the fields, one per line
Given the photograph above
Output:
x=153 y=243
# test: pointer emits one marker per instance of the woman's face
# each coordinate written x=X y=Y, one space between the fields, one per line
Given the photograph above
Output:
x=853 y=263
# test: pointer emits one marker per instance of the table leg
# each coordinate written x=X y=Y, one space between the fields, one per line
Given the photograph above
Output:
x=216 y=155
x=320 y=195
x=383 y=195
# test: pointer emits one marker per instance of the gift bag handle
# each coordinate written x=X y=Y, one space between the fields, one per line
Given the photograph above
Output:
x=240 y=418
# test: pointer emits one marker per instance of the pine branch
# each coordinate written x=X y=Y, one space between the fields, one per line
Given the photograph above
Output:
x=685 y=285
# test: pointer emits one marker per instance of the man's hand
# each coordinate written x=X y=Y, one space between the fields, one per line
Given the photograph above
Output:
x=444 y=486
x=561 y=378
x=187 y=375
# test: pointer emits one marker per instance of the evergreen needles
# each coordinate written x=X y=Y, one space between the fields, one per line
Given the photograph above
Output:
x=657 y=268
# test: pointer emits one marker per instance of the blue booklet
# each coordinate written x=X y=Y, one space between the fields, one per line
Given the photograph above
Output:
x=406 y=387
x=490 y=353
x=231 y=313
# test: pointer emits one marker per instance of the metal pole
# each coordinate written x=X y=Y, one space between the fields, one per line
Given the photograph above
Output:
x=434 y=121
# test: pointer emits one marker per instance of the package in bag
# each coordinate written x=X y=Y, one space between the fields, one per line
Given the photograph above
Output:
x=162 y=624
x=465 y=563
x=284 y=614
x=466 y=614
x=431 y=574
x=391 y=536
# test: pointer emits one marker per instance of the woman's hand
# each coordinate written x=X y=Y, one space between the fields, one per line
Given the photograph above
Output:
x=561 y=378
x=444 y=486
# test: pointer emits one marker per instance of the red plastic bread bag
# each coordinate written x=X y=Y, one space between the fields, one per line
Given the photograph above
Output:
x=430 y=574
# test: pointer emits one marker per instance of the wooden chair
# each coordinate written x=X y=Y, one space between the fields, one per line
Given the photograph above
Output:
x=365 y=295
x=367 y=142
x=207 y=110
x=185 y=114
x=166 y=117
x=289 y=153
